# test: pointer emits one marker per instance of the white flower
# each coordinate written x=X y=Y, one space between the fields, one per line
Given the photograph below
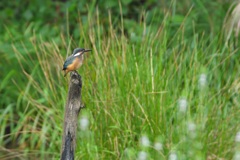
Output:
x=236 y=156
x=158 y=146
x=191 y=127
x=142 y=155
x=172 y=156
x=144 y=141
x=237 y=138
x=182 y=105
x=84 y=123
x=202 y=80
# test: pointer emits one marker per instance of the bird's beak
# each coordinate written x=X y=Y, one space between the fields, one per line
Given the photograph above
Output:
x=87 y=50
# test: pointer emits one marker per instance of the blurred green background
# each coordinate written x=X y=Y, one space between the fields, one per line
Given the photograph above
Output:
x=162 y=80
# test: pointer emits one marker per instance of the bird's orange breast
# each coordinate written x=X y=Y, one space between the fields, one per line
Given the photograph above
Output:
x=75 y=65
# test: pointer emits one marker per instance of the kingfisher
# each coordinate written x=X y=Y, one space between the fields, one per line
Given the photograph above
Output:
x=74 y=61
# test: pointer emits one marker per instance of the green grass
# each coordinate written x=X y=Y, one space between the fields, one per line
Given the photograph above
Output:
x=132 y=85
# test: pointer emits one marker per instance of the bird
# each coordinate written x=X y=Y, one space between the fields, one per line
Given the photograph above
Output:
x=74 y=61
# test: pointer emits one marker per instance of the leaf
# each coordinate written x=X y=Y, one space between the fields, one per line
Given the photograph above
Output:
x=5 y=81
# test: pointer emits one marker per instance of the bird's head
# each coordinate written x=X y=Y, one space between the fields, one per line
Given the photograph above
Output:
x=80 y=51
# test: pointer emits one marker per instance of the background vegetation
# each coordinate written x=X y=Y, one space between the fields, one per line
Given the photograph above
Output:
x=161 y=82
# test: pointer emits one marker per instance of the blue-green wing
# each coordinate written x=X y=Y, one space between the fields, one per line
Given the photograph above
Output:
x=68 y=61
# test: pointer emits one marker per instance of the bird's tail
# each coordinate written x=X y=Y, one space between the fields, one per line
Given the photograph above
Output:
x=65 y=73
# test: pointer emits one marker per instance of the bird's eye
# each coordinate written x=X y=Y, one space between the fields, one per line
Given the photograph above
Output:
x=77 y=54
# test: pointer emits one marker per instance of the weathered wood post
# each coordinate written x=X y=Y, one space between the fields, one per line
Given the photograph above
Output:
x=72 y=109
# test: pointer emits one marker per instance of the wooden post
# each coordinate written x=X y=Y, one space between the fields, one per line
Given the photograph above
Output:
x=72 y=109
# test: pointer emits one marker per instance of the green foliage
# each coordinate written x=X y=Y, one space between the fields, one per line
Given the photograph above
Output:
x=164 y=74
